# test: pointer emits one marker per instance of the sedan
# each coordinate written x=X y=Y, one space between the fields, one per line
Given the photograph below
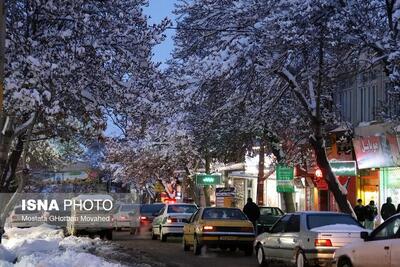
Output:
x=380 y=248
x=219 y=227
x=171 y=220
x=127 y=216
x=307 y=238
x=147 y=214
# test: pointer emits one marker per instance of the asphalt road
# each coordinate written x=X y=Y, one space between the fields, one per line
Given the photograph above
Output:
x=170 y=254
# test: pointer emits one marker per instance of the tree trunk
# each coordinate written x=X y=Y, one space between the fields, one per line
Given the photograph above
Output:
x=11 y=167
x=261 y=178
x=206 y=188
x=334 y=186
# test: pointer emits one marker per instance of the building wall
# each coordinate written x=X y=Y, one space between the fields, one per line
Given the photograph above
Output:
x=362 y=97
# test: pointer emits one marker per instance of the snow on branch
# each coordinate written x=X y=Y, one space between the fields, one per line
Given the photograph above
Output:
x=21 y=128
x=297 y=90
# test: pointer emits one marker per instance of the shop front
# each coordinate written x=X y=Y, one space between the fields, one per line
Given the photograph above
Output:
x=378 y=159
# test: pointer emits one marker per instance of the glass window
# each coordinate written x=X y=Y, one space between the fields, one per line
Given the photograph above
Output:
x=181 y=208
x=293 y=225
x=278 y=212
x=222 y=214
x=319 y=220
x=389 y=230
x=195 y=216
x=151 y=208
x=279 y=227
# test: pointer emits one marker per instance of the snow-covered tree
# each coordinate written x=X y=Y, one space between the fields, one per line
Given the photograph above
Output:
x=282 y=60
x=69 y=65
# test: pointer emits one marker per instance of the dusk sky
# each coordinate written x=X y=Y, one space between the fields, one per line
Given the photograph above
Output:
x=158 y=10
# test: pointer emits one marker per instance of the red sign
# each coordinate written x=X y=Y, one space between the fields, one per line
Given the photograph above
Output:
x=377 y=151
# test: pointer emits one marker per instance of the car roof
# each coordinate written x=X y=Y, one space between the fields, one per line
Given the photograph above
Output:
x=317 y=212
x=180 y=204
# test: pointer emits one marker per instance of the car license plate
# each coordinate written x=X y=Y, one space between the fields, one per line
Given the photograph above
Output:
x=228 y=238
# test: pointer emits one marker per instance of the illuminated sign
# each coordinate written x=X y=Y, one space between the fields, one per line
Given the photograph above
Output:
x=344 y=168
x=208 y=179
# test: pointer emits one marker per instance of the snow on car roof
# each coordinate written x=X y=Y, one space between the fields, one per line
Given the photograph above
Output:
x=338 y=227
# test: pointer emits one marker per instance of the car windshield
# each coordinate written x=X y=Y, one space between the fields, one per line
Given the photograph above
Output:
x=128 y=208
x=223 y=214
x=151 y=208
x=181 y=208
x=319 y=220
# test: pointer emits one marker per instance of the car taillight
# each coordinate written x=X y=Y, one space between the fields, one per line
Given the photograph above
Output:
x=143 y=218
x=171 y=220
x=323 y=243
x=208 y=228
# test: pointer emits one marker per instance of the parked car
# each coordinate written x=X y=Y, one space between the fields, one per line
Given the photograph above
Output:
x=147 y=214
x=93 y=221
x=380 y=248
x=171 y=220
x=268 y=216
x=127 y=216
x=306 y=238
x=219 y=227
x=25 y=218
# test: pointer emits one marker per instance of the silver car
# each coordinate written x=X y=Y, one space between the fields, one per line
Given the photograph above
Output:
x=306 y=238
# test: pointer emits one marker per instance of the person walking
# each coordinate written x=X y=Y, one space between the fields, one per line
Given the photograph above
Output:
x=360 y=211
x=371 y=211
x=252 y=212
x=388 y=209
x=398 y=209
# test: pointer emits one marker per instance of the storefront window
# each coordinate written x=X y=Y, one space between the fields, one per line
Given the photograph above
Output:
x=390 y=184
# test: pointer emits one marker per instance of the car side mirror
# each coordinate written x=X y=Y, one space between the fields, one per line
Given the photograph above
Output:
x=364 y=235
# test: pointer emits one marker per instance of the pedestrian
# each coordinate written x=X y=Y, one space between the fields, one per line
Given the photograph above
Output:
x=388 y=209
x=359 y=209
x=371 y=211
x=252 y=212
x=398 y=209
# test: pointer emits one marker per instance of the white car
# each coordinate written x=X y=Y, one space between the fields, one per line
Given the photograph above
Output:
x=25 y=218
x=93 y=221
x=306 y=238
x=171 y=220
x=127 y=216
x=379 y=248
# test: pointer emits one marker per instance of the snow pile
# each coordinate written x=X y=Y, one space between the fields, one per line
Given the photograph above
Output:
x=339 y=228
x=46 y=246
x=6 y=256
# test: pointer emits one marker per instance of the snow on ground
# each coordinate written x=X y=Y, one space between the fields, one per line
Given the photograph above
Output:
x=46 y=246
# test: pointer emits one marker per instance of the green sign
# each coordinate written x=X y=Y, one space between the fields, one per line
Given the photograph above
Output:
x=344 y=168
x=208 y=179
x=284 y=179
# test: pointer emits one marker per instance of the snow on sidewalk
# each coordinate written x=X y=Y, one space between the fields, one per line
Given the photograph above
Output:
x=46 y=246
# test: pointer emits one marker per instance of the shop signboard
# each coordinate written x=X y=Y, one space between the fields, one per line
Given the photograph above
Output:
x=284 y=179
x=225 y=196
x=377 y=151
x=208 y=179
x=344 y=168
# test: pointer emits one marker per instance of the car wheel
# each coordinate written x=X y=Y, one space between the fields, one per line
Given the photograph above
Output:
x=163 y=237
x=153 y=235
x=133 y=230
x=261 y=257
x=344 y=262
x=196 y=247
x=108 y=234
x=185 y=246
x=301 y=259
